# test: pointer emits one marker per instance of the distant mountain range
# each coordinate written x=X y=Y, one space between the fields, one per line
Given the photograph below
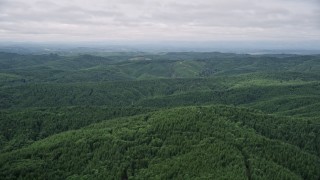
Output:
x=103 y=47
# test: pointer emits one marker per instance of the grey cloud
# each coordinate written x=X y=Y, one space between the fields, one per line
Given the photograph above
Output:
x=155 y=19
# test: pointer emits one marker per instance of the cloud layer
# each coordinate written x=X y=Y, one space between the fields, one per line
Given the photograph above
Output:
x=60 y=20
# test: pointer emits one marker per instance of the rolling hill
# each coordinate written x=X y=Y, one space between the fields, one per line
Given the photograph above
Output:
x=170 y=115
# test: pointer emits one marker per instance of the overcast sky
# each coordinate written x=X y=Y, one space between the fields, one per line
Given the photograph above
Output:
x=144 y=20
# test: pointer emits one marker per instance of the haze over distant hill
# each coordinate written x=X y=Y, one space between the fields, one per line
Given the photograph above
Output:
x=250 y=47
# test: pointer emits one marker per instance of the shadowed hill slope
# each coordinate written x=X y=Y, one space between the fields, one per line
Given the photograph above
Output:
x=203 y=142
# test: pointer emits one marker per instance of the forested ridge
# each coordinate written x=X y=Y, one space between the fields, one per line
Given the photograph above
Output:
x=159 y=116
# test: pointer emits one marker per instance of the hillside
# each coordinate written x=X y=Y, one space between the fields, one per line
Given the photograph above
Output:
x=159 y=116
x=19 y=69
x=203 y=142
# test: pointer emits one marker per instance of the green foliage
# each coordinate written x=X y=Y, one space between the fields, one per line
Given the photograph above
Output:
x=202 y=142
x=20 y=128
x=159 y=116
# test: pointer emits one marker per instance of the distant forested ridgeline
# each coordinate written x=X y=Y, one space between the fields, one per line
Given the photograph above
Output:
x=176 y=115
x=17 y=69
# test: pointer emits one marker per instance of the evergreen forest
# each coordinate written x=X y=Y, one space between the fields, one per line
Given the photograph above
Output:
x=174 y=115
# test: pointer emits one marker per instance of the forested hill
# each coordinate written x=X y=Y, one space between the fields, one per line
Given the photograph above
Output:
x=159 y=116
x=117 y=67
x=204 y=142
